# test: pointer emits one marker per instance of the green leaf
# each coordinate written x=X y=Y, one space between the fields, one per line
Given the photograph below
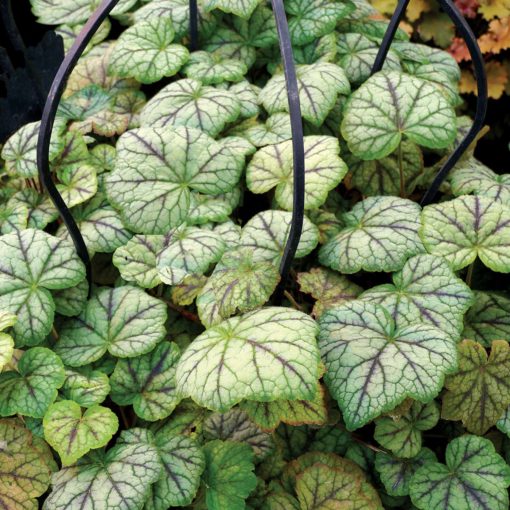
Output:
x=266 y=234
x=124 y=321
x=85 y=386
x=472 y=176
x=158 y=168
x=73 y=434
x=144 y=51
x=427 y=291
x=228 y=475
x=32 y=264
x=148 y=382
x=36 y=210
x=488 y=319
x=390 y=105
x=136 y=260
x=56 y=12
x=273 y=166
x=264 y=355
x=382 y=176
x=19 y=151
x=183 y=462
x=356 y=55
x=33 y=387
x=320 y=486
x=124 y=473
x=235 y=425
x=310 y=19
x=214 y=68
x=185 y=293
x=78 y=183
x=321 y=50
x=479 y=393
x=475 y=476
x=238 y=283
x=24 y=474
x=396 y=473
x=380 y=234
x=188 y=251
x=327 y=288
x=374 y=29
x=468 y=227
x=100 y=225
x=276 y=129
x=189 y=103
x=372 y=366
x=243 y=8
x=247 y=93
x=7 y=320
x=318 y=85
x=268 y=415
x=403 y=435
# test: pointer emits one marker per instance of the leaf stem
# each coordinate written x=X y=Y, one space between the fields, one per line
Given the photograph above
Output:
x=182 y=311
x=293 y=301
x=401 y=171
x=123 y=415
x=54 y=333
x=469 y=274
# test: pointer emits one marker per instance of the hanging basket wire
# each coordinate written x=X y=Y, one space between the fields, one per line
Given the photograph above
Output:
x=296 y=225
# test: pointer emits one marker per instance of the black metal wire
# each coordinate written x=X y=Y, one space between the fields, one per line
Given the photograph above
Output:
x=48 y=119
x=389 y=35
x=481 y=100
x=298 y=150
x=481 y=81
x=193 y=25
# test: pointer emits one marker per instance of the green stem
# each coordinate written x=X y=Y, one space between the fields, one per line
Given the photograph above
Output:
x=401 y=171
x=469 y=274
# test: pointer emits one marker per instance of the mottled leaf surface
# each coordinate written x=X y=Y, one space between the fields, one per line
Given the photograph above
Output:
x=264 y=355
x=372 y=365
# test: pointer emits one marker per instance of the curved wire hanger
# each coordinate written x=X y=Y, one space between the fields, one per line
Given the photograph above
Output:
x=57 y=89
x=481 y=82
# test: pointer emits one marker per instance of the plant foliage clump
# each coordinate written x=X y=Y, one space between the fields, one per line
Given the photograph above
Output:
x=376 y=376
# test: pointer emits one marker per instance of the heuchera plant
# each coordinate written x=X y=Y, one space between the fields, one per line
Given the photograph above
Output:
x=383 y=381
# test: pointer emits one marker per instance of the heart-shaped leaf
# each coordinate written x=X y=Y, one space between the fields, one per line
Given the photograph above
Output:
x=266 y=234
x=425 y=290
x=273 y=166
x=35 y=209
x=472 y=176
x=33 y=386
x=125 y=473
x=356 y=55
x=237 y=283
x=124 y=321
x=397 y=473
x=403 y=435
x=100 y=225
x=145 y=51
x=87 y=387
x=148 y=382
x=276 y=348
x=188 y=251
x=24 y=475
x=318 y=85
x=78 y=183
x=468 y=227
x=32 y=264
x=243 y=8
x=309 y=19
x=214 y=68
x=475 y=476
x=189 y=103
x=327 y=288
x=72 y=434
x=391 y=105
x=380 y=234
x=488 y=319
x=276 y=129
x=268 y=415
x=157 y=169
x=228 y=475
x=479 y=393
x=372 y=366
x=235 y=425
